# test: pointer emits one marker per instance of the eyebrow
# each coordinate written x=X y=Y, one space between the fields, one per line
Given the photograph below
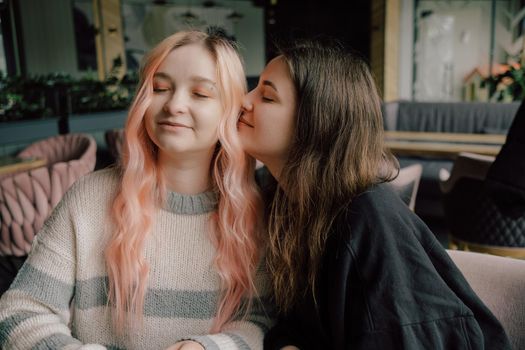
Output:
x=270 y=84
x=196 y=78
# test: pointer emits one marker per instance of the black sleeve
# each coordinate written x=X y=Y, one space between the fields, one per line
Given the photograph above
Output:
x=415 y=297
x=284 y=333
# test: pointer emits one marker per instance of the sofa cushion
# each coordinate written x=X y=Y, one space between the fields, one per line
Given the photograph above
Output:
x=460 y=117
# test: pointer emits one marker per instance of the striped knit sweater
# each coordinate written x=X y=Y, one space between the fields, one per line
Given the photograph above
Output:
x=59 y=297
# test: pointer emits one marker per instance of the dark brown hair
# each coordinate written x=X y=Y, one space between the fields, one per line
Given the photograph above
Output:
x=337 y=152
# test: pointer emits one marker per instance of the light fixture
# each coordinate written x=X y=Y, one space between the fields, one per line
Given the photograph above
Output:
x=209 y=3
x=189 y=16
x=235 y=16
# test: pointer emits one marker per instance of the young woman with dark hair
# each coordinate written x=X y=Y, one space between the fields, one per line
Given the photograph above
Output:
x=352 y=267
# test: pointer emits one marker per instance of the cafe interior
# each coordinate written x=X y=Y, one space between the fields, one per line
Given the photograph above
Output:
x=450 y=73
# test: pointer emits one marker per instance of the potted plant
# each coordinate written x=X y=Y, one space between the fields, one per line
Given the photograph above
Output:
x=507 y=86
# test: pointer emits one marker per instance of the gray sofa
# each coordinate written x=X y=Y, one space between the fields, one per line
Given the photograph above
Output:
x=455 y=117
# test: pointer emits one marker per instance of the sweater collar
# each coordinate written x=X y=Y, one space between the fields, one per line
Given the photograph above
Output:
x=191 y=204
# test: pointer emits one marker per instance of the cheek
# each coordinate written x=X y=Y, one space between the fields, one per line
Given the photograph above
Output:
x=208 y=119
x=274 y=135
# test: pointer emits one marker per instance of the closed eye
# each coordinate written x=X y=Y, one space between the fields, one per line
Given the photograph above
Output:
x=200 y=95
x=160 y=89
x=267 y=99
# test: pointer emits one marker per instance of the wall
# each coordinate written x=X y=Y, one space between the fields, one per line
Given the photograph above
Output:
x=3 y=65
x=471 y=35
x=249 y=30
x=48 y=36
x=146 y=24
x=406 y=43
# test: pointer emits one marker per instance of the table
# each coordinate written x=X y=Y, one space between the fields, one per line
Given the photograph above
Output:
x=9 y=164
x=442 y=145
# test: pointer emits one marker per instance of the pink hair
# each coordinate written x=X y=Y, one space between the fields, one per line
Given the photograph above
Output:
x=142 y=193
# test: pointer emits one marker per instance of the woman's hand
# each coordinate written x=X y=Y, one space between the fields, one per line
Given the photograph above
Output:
x=186 y=345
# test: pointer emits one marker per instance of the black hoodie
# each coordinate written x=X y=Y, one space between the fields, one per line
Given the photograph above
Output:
x=387 y=283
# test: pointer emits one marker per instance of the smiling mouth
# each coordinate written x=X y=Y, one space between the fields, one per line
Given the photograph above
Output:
x=243 y=121
x=173 y=125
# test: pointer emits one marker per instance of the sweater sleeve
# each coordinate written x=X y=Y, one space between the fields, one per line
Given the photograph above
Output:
x=244 y=333
x=34 y=312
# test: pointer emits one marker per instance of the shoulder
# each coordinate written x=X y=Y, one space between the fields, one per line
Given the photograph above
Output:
x=97 y=182
x=94 y=188
x=376 y=204
x=378 y=216
x=378 y=197
x=108 y=177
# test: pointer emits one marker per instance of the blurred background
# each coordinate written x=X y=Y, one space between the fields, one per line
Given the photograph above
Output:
x=450 y=72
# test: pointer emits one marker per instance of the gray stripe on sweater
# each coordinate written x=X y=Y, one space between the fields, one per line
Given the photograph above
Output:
x=241 y=344
x=55 y=341
x=178 y=303
x=262 y=307
x=93 y=293
x=10 y=323
x=205 y=341
x=158 y=303
x=113 y=347
x=43 y=287
x=191 y=204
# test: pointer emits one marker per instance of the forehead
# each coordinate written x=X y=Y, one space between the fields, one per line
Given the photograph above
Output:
x=277 y=74
x=189 y=60
x=277 y=67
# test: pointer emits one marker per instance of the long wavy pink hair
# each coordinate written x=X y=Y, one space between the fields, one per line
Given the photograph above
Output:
x=142 y=193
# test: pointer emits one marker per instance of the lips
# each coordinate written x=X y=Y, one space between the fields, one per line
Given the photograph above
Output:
x=242 y=120
x=173 y=124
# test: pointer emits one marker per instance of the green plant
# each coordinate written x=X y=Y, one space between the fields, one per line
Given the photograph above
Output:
x=59 y=94
x=507 y=86
x=22 y=98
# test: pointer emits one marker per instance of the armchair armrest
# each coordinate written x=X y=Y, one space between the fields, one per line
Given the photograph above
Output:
x=466 y=165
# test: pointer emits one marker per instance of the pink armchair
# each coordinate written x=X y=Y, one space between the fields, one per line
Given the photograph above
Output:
x=27 y=198
x=499 y=282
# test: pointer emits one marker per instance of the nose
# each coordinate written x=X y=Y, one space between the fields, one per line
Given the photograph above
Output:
x=247 y=104
x=176 y=104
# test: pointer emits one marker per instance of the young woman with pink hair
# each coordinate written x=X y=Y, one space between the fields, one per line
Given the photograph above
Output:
x=163 y=250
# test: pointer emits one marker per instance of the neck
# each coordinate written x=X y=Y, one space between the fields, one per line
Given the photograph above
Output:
x=275 y=167
x=187 y=174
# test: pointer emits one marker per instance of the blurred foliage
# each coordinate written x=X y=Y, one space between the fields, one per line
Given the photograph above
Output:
x=507 y=86
x=59 y=94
